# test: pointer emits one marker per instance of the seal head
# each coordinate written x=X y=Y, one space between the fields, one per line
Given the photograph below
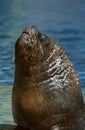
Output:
x=32 y=45
x=46 y=88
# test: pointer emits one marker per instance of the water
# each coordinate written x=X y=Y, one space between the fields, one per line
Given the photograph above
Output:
x=63 y=20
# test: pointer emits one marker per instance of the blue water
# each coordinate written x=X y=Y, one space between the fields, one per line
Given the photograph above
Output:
x=62 y=20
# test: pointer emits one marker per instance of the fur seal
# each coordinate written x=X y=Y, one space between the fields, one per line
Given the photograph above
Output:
x=46 y=92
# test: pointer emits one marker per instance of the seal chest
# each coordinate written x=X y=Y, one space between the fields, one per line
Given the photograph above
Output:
x=46 y=89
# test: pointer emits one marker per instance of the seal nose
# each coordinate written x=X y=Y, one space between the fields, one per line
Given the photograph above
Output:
x=32 y=31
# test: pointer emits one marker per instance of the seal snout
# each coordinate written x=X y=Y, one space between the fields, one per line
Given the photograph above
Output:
x=32 y=31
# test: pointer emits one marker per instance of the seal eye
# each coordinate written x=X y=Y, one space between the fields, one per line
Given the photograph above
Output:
x=43 y=39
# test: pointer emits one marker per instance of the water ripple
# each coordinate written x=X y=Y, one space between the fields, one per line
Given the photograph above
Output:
x=10 y=82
